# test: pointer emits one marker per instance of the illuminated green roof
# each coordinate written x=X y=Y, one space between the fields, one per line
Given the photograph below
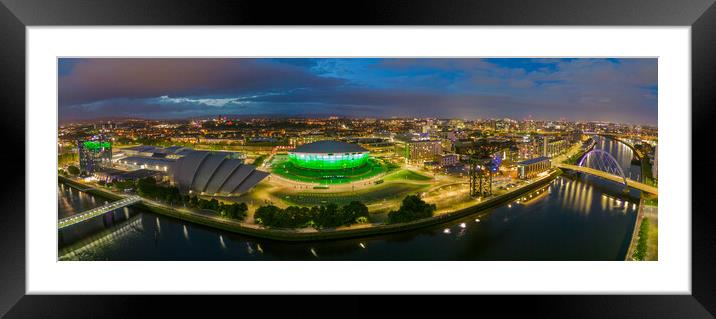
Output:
x=328 y=161
x=329 y=147
x=95 y=145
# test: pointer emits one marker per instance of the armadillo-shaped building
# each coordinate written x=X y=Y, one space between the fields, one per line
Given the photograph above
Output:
x=215 y=174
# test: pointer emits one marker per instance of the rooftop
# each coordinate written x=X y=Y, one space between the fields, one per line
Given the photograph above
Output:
x=534 y=160
x=329 y=147
x=141 y=148
x=141 y=160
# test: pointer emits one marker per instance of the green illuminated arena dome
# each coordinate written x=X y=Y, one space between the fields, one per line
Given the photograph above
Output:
x=328 y=155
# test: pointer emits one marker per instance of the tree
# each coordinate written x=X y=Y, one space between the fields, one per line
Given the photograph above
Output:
x=203 y=203
x=323 y=216
x=147 y=187
x=213 y=204
x=412 y=208
x=193 y=201
x=239 y=210
x=259 y=160
x=264 y=215
x=234 y=211
x=125 y=184
x=353 y=211
x=327 y=216
x=172 y=195
x=73 y=170
x=295 y=216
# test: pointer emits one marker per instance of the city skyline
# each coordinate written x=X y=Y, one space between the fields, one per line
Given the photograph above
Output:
x=609 y=90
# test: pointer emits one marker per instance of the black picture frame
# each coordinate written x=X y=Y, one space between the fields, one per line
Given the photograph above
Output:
x=15 y=15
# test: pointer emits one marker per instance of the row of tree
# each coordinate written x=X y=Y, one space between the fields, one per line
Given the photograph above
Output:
x=323 y=216
x=412 y=208
x=233 y=210
x=148 y=187
x=73 y=170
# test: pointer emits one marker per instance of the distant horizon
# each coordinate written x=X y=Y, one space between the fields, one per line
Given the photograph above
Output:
x=617 y=90
x=326 y=116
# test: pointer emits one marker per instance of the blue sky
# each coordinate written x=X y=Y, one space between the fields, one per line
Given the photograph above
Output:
x=621 y=90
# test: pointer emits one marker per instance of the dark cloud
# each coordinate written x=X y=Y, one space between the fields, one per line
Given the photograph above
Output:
x=578 y=89
x=103 y=79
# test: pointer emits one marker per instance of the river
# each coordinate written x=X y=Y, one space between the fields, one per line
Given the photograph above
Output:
x=574 y=218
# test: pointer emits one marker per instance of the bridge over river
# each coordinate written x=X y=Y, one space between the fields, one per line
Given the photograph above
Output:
x=78 y=218
x=612 y=177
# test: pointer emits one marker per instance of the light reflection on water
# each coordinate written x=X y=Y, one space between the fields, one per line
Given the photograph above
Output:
x=567 y=220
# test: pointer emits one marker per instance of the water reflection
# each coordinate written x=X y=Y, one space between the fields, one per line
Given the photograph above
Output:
x=100 y=242
x=574 y=194
x=569 y=219
x=221 y=242
x=623 y=154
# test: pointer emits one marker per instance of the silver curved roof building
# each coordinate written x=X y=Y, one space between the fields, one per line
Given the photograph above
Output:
x=214 y=173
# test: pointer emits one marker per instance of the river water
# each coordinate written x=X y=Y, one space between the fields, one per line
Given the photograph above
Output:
x=573 y=218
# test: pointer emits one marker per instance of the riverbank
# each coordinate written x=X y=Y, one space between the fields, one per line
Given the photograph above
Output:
x=645 y=213
x=635 y=232
x=646 y=174
x=297 y=235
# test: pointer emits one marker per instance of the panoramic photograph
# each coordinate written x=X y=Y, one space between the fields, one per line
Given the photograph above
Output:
x=386 y=159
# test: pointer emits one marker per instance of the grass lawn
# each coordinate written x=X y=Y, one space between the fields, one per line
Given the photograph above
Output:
x=389 y=192
x=330 y=177
x=652 y=243
x=406 y=175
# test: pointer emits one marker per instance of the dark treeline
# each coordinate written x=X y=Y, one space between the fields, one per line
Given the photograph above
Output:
x=318 y=217
x=148 y=187
x=412 y=208
x=233 y=210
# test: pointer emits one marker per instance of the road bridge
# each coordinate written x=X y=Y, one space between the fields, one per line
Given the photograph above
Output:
x=615 y=178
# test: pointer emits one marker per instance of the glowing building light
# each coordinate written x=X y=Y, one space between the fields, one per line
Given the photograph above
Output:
x=330 y=161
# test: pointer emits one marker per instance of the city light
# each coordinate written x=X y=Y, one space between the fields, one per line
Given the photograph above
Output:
x=331 y=161
x=302 y=173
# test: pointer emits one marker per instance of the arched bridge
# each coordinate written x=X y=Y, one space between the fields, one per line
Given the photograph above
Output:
x=604 y=165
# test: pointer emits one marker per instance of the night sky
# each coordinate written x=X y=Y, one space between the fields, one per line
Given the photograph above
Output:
x=617 y=90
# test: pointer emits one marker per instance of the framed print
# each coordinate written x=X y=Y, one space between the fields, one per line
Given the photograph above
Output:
x=502 y=148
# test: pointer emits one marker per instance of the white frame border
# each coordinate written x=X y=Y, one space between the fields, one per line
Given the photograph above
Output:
x=670 y=275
